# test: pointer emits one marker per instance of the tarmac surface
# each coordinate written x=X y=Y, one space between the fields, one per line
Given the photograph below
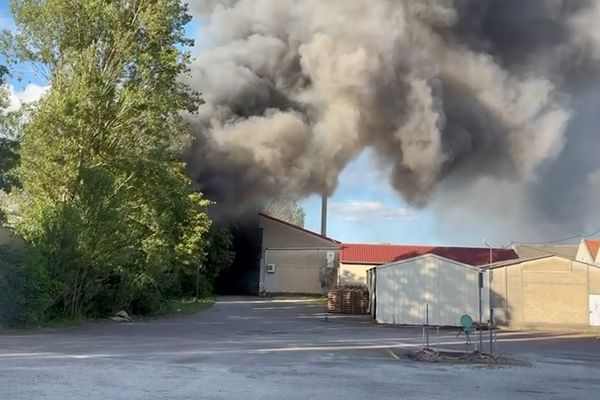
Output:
x=251 y=348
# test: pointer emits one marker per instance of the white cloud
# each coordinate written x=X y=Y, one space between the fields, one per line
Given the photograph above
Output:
x=32 y=92
x=6 y=22
x=352 y=211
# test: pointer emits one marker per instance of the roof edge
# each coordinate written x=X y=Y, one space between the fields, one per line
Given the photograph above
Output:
x=376 y=263
x=460 y=263
x=270 y=217
x=507 y=263
x=523 y=260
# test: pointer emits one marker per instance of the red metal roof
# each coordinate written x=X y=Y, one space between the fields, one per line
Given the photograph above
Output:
x=377 y=254
x=593 y=246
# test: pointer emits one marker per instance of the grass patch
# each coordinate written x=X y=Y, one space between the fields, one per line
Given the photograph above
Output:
x=185 y=306
x=188 y=306
x=49 y=325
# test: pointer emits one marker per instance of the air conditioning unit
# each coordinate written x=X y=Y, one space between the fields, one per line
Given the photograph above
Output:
x=270 y=268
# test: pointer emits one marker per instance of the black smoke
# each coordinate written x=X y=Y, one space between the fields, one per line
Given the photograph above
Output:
x=454 y=97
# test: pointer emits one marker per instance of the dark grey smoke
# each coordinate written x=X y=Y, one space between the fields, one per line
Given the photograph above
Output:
x=460 y=92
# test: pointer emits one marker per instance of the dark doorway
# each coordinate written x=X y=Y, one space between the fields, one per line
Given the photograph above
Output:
x=242 y=277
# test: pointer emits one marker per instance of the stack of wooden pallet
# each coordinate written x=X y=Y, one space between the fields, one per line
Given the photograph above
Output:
x=348 y=300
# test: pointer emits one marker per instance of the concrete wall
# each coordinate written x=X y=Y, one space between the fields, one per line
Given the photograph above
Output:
x=300 y=259
x=551 y=292
x=450 y=289
x=353 y=274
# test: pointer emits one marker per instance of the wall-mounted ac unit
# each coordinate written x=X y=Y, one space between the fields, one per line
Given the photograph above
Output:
x=270 y=268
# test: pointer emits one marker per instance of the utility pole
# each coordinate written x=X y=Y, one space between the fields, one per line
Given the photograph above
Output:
x=480 y=311
x=198 y=280
x=490 y=300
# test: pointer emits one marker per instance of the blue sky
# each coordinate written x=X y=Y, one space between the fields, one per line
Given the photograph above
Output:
x=363 y=208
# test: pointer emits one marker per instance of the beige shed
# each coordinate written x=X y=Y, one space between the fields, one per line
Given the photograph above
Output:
x=544 y=292
x=295 y=260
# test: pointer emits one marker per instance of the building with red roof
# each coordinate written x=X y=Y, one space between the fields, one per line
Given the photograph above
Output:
x=356 y=259
x=530 y=286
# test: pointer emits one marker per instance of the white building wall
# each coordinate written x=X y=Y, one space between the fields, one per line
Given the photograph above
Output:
x=450 y=289
x=583 y=253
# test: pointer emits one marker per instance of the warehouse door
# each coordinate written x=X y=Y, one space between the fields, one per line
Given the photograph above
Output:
x=295 y=271
x=594 y=310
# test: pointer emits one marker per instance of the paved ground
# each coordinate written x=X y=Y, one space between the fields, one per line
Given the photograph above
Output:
x=262 y=349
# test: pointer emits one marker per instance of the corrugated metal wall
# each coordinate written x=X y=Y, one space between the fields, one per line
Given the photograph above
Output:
x=405 y=289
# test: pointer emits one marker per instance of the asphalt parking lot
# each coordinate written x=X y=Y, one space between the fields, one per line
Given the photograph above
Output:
x=250 y=348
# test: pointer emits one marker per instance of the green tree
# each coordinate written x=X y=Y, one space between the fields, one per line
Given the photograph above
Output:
x=109 y=207
x=8 y=147
x=286 y=209
x=219 y=255
x=9 y=158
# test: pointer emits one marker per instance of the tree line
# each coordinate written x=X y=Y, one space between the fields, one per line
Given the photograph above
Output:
x=108 y=215
x=91 y=175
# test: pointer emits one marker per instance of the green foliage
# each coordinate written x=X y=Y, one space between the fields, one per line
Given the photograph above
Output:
x=219 y=255
x=9 y=159
x=286 y=209
x=110 y=212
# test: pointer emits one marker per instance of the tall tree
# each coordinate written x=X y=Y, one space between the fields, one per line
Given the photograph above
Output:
x=9 y=157
x=8 y=145
x=287 y=209
x=110 y=209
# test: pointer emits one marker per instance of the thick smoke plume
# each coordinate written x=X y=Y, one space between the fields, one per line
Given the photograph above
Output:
x=442 y=91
